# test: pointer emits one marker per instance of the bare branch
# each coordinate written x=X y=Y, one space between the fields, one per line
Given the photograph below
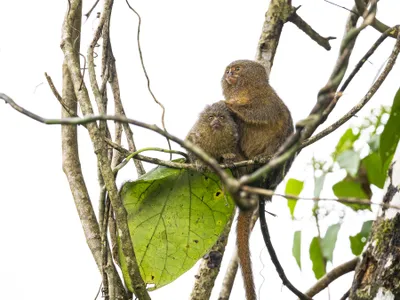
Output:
x=331 y=276
x=390 y=63
x=134 y=154
x=307 y=29
x=350 y=200
x=278 y=13
x=72 y=166
x=101 y=152
x=378 y=25
x=230 y=183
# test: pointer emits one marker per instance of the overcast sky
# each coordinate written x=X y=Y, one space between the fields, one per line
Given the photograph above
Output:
x=186 y=46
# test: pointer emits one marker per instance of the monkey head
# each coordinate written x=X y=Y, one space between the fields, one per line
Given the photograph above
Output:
x=243 y=75
x=217 y=117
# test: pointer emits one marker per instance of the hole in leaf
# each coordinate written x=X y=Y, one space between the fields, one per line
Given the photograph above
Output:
x=217 y=194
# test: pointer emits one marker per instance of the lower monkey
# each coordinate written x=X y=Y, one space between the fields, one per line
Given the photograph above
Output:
x=217 y=134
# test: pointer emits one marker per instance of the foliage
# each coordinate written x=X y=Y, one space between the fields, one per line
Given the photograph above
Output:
x=364 y=152
x=174 y=216
x=293 y=187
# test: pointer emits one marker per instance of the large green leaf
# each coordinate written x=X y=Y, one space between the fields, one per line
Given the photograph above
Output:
x=375 y=172
x=296 y=249
x=349 y=160
x=318 y=262
x=329 y=241
x=174 y=217
x=391 y=133
x=350 y=189
x=358 y=241
x=345 y=143
x=293 y=187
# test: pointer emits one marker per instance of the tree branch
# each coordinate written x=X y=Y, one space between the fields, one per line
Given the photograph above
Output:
x=307 y=29
x=390 y=63
x=331 y=276
x=350 y=200
x=101 y=152
x=378 y=25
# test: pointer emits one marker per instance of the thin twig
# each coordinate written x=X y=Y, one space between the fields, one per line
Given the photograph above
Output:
x=350 y=200
x=345 y=295
x=87 y=15
x=147 y=76
x=134 y=154
x=345 y=8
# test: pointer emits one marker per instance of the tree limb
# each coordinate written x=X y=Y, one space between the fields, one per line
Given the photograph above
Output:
x=331 y=276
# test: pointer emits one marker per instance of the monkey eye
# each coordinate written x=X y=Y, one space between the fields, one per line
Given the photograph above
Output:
x=227 y=71
x=221 y=117
x=210 y=117
x=237 y=69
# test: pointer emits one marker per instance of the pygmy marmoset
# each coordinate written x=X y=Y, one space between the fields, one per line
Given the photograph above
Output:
x=217 y=134
x=264 y=123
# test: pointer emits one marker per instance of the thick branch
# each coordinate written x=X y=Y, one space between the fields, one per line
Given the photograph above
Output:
x=101 y=152
x=72 y=166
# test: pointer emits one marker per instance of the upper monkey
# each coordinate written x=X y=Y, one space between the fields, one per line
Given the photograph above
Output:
x=264 y=120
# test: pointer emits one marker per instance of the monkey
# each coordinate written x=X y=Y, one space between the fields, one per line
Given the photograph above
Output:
x=217 y=134
x=264 y=123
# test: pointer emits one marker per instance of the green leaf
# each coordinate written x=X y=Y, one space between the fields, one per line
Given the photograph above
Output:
x=358 y=241
x=375 y=173
x=293 y=187
x=318 y=262
x=174 y=217
x=391 y=133
x=345 y=143
x=329 y=241
x=374 y=143
x=296 y=250
x=319 y=184
x=350 y=189
x=349 y=160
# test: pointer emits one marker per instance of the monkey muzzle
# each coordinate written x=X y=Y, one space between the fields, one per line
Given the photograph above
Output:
x=215 y=124
x=231 y=78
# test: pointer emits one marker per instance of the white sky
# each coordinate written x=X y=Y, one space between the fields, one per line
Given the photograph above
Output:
x=186 y=46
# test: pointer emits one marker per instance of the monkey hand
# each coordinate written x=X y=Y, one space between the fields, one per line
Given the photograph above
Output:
x=262 y=159
x=229 y=159
x=201 y=167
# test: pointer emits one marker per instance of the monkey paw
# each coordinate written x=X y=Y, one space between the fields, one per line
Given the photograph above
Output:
x=262 y=159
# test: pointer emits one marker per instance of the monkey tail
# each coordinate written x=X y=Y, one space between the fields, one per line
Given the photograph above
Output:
x=243 y=235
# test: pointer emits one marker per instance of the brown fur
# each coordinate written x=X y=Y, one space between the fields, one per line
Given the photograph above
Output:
x=264 y=123
x=221 y=143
